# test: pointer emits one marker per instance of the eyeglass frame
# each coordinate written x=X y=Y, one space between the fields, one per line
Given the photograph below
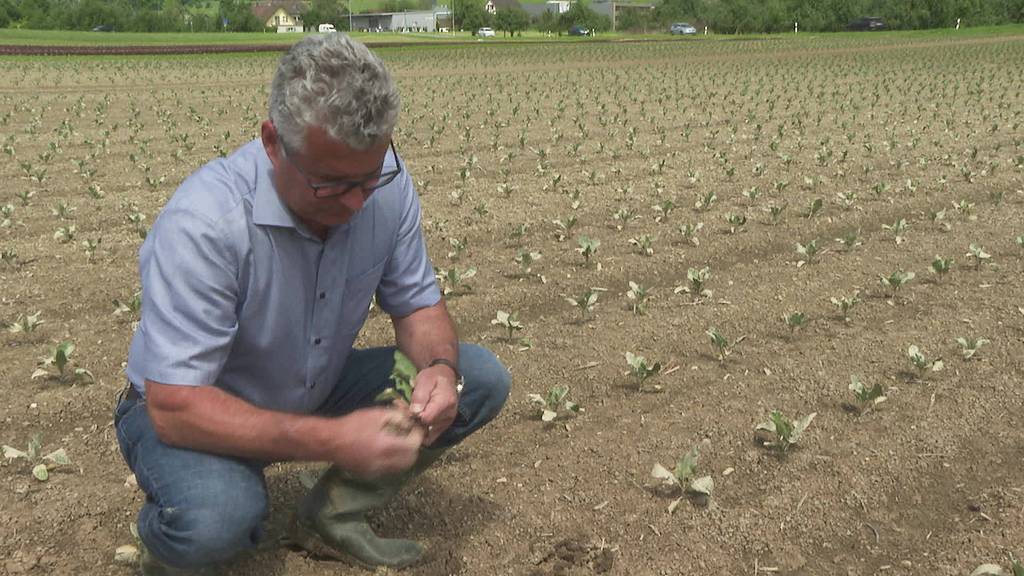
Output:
x=346 y=185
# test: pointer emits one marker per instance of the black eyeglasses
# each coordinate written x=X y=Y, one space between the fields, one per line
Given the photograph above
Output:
x=341 y=187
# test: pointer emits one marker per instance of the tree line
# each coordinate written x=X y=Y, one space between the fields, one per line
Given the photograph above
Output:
x=721 y=16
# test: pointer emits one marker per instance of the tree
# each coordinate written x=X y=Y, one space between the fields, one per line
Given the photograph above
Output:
x=511 y=20
x=325 y=12
x=470 y=15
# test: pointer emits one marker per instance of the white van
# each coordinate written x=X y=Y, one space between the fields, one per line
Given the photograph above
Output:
x=326 y=28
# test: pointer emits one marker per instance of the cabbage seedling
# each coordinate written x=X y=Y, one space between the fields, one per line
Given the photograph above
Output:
x=689 y=232
x=551 y=403
x=938 y=217
x=922 y=364
x=458 y=247
x=780 y=432
x=403 y=376
x=585 y=302
x=807 y=252
x=637 y=295
x=723 y=348
x=899 y=229
x=564 y=227
x=736 y=222
x=705 y=201
x=697 y=278
x=850 y=240
x=776 y=212
x=525 y=259
x=813 y=208
x=453 y=280
x=587 y=248
x=794 y=321
x=507 y=321
x=978 y=254
x=896 y=280
x=640 y=370
x=845 y=304
x=644 y=244
x=663 y=210
x=65 y=234
x=941 y=266
x=969 y=346
x=1019 y=241
x=42 y=465
x=683 y=477
x=1017 y=569
x=6 y=211
x=61 y=358
x=26 y=324
x=866 y=397
x=130 y=307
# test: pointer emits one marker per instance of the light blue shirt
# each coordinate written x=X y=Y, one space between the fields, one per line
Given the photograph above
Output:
x=237 y=293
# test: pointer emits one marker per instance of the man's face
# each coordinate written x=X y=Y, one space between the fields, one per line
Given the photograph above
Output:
x=323 y=160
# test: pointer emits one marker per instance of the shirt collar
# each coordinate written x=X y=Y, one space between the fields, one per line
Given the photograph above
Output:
x=267 y=208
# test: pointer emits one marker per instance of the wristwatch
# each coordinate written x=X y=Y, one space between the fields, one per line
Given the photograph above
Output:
x=460 y=382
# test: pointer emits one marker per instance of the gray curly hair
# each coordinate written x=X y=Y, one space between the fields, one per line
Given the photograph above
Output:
x=332 y=81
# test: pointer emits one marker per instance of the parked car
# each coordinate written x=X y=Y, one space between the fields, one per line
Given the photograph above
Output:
x=103 y=28
x=578 y=30
x=325 y=28
x=485 y=33
x=682 y=28
x=866 y=24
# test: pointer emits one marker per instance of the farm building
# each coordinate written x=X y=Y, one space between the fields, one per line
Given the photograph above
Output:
x=281 y=15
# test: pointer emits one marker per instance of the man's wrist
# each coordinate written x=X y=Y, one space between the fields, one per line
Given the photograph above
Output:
x=451 y=366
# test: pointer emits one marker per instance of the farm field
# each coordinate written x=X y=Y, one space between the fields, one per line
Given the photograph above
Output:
x=736 y=185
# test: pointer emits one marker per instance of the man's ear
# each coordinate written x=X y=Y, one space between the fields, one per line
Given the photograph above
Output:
x=271 y=143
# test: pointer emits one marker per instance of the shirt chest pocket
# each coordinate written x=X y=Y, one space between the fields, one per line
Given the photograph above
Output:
x=359 y=289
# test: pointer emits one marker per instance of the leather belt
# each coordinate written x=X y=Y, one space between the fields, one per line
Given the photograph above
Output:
x=132 y=393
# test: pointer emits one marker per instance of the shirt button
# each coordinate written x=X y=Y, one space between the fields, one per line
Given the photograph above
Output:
x=316 y=341
x=323 y=295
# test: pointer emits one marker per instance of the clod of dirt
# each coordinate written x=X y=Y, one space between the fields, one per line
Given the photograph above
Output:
x=762 y=437
x=571 y=556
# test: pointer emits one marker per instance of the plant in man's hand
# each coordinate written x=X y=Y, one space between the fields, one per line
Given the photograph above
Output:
x=403 y=376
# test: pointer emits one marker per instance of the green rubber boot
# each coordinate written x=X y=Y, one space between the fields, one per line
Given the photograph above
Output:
x=149 y=565
x=331 y=520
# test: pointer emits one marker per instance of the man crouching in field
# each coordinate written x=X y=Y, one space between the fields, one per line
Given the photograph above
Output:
x=257 y=277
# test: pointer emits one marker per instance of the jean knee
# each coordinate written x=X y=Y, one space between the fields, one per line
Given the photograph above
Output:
x=488 y=377
x=204 y=533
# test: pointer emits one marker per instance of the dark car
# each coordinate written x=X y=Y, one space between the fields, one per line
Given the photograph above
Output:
x=579 y=31
x=866 y=24
x=103 y=28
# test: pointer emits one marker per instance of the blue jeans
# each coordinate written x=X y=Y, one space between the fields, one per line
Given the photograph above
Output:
x=204 y=508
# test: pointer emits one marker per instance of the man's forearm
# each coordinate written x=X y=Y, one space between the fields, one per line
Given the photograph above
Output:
x=427 y=334
x=209 y=419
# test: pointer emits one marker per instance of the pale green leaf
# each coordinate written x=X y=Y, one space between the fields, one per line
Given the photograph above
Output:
x=659 y=472
x=703 y=485
x=549 y=415
x=11 y=453
x=989 y=570
x=58 y=456
x=40 y=472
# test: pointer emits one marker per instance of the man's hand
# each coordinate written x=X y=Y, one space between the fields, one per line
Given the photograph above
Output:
x=435 y=400
x=377 y=441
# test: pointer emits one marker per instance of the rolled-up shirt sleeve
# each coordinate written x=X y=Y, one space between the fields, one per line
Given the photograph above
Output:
x=189 y=297
x=408 y=281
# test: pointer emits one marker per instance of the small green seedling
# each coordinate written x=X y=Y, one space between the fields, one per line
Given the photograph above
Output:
x=60 y=358
x=403 y=376
x=938 y=218
x=130 y=307
x=845 y=304
x=553 y=402
x=697 y=277
x=587 y=248
x=42 y=464
x=663 y=210
x=641 y=371
x=776 y=212
x=941 y=266
x=705 y=201
x=723 y=348
x=736 y=222
x=683 y=478
x=794 y=321
x=563 y=227
x=978 y=255
x=896 y=280
x=453 y=280
x=899 y=229
x=1016 y=569
x=969 y=346
x=458 y=247
x=585 y=302
x=850 y=240
x=526 y=259
x=780 y=432
x=509 y=322
x=689 y=232
x=26 y=324
x=807 y=252
x=865 y=397
x=813 y=208
x=921 y=363
x=644 y=244
x=638 y=295
x=65 y=234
